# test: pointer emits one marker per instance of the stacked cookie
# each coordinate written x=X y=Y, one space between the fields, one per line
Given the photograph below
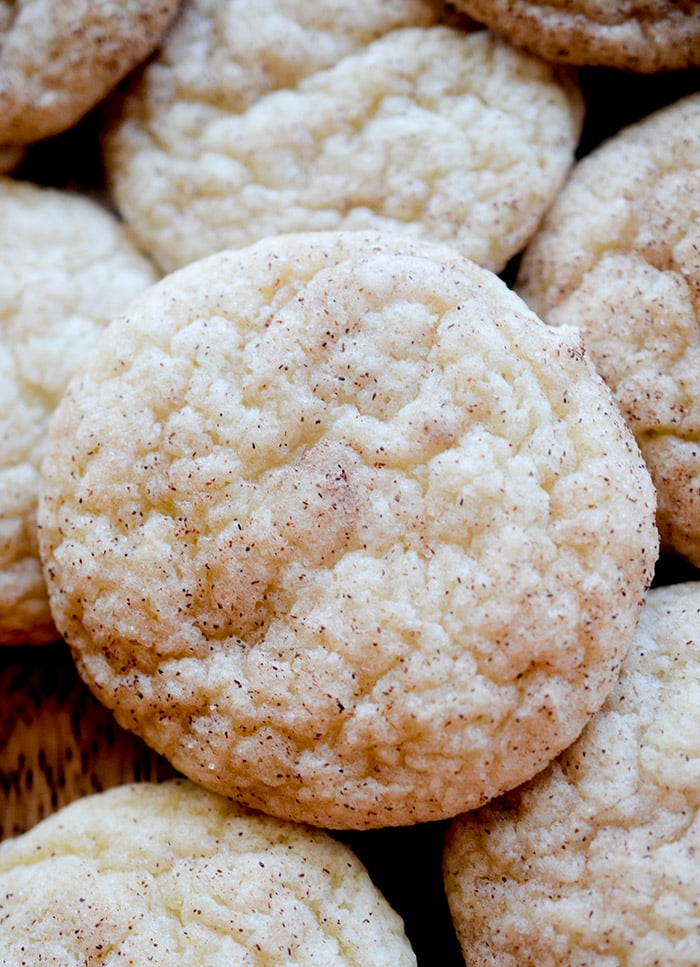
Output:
x=634 y=35
x=333 y=524
x=343 y=530
x=68 y=267
x=58 y=60
x=595 y=860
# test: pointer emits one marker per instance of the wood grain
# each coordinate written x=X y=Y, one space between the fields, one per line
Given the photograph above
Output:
x=57 y=742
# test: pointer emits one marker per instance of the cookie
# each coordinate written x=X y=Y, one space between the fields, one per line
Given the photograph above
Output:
x=169 y=873
x=67 y=266
x=343 y=530
x=617 y=256
x=58 y=59
x=341 y=115
x=645 y=36
x=597 y=860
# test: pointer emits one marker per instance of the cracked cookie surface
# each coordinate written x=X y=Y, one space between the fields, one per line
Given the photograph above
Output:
x=59 y=58
x=343 y=530
x=596 y=861
x=169 y=873
x=343 y=115
x=646 y=36
x=617 y=256
x=67 y=268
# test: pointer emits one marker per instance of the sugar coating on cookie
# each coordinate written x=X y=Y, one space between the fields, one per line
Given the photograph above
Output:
x=172 y=874
x=342 y=529
x=286 y=117
x=66 y=267
x=59 y=58
x=635 y=35
x=618 y=257
x=597 y=860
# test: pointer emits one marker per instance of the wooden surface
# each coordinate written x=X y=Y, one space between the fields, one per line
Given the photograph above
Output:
x=57 y=742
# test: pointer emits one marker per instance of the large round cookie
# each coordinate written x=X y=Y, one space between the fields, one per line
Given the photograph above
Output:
x=634 y=35
x=618 y=256
x=343 y=114
x=58 y=58
x=66 y=267
x=597 y=860
x=171 y=874
x=343 y=530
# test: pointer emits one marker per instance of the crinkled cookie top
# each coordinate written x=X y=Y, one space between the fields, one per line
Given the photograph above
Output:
x=285 y=116
x=344 y=530
x=66 y=267
x=58 y=58
x=618 y=256
x=171 y=874
x=597 y=861
x=634 y=35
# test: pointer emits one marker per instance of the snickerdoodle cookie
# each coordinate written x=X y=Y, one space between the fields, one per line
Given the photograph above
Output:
x=66 y=267
x=170 y=874
x=284 y=116
x=346 y=532
x=597 y=860
x=58 y=58
x=619 y=256
x=635 y=35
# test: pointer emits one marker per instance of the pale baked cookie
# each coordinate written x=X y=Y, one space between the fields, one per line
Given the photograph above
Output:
x=285 y=116
x=58 y=58
x=636 y=35
x=171 y=874
x=618 y=255
x=596 y=862
x=343 y=530
x=66 y=267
